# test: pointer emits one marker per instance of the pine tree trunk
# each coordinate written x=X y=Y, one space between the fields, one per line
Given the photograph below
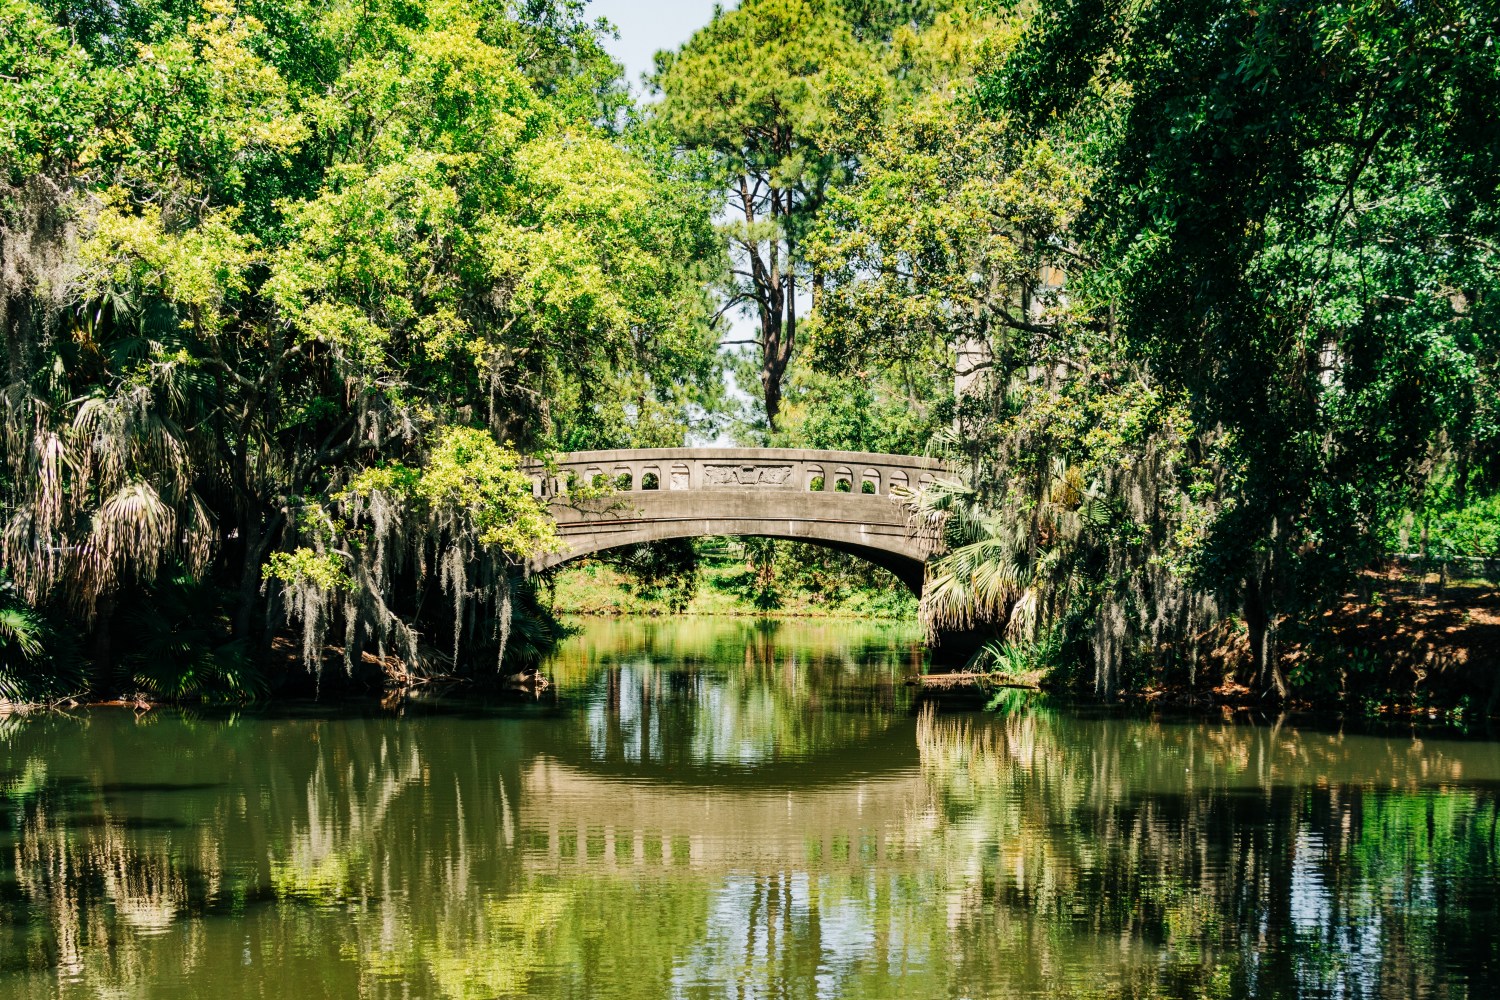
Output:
x=770 y=380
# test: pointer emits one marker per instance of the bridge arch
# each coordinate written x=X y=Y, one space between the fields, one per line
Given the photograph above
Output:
x=840 y=500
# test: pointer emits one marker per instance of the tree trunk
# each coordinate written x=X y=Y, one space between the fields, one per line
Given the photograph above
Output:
x=104 y=673
x=1258 y=621
x=778 y=338
x=249 y=587
x=770 y=371
x=257 y=539
x=770 y=380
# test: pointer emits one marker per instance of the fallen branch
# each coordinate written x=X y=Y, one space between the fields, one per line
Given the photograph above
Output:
x=1030 y=681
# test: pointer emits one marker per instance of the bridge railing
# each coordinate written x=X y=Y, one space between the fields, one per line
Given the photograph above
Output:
x=740 y=469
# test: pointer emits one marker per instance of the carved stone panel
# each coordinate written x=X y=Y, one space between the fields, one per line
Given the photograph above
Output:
x=747 y=475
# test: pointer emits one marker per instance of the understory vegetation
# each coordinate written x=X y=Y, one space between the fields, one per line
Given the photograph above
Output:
x=1198 y=299
x=719 y=576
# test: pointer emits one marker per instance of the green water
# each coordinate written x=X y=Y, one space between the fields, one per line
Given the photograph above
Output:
x=715 y=809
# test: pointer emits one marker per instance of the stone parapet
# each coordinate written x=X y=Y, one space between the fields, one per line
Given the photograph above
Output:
x=839 y=499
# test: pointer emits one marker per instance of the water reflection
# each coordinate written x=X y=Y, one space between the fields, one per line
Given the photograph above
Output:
x=716 y=809
x=1226 y=860
x=701 y=699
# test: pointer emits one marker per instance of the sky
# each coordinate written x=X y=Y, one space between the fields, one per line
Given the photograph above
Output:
x=648 y=25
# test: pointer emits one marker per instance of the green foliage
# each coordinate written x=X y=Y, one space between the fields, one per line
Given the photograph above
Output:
x=471 y=479
x=1453 y=522
x=727 y=576
x=1471 y=531
x=20 y=635
x=48 y=100
x=1294 y=223
x=773 y=98
x=37 y=661
x=946 y=195
x=179 y=645
x=22 y=647
x=664 y=573
x=772 y=575
x=1230 y=268
x=892 y=410
x=256 y=251
x=530 y=633
x=758 y=582
x=1199 y=299
x=945 y=266
x=304 y=566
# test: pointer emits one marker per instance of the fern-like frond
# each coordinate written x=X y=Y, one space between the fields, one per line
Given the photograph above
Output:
x=20 y=633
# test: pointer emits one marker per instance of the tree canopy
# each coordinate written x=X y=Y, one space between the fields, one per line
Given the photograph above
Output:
x=772 y=97
x=256 y=254
x=1198 y=299
x=1295 y=221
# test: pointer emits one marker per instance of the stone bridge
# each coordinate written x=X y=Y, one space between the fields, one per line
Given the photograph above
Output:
x=838 y=499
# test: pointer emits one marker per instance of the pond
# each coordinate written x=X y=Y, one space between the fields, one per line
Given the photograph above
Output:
x=713 y=808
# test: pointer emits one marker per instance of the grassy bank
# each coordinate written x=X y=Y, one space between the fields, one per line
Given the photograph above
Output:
x=727 y=586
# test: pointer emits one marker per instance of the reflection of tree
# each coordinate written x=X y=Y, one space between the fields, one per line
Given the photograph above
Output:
x=1222 y=860
x=317 y=836
x=455 y=856
x=735 y=693
x=725 y=643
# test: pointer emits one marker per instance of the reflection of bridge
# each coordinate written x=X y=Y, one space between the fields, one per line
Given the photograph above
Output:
x=582 y=819
x=838 y=499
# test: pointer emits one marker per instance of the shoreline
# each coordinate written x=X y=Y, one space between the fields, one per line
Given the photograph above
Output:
x=849 y=616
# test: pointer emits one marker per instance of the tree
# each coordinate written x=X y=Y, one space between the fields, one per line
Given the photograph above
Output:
x=1296 y=217
x=1083 y=483
x=251 y=261
x=774 y=96
x=951 y=246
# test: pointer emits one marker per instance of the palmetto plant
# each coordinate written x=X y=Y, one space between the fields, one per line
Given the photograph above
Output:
x=38 y=661
x=20 y=635
x=104 y=489
x=1007 y=562
x=529 y=633
x=20 y=648
x=178 y=643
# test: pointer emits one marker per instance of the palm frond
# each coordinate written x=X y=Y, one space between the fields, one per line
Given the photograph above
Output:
x=133 y=531
x=21 y=633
